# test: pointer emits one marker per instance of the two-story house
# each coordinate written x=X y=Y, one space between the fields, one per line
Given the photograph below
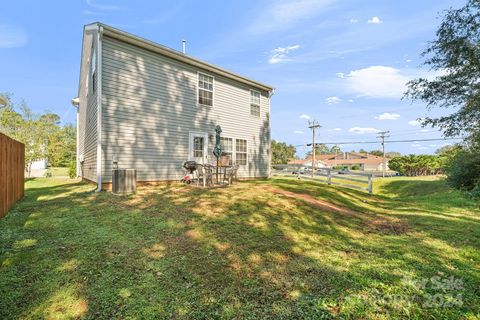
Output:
x=148 y=107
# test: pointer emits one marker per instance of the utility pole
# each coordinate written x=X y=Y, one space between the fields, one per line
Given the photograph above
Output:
x=313 y=125
x=383 y=135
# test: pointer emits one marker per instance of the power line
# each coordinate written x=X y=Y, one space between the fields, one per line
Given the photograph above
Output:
x=389 y=141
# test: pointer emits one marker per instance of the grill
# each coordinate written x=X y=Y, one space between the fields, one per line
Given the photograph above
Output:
x=190 y=166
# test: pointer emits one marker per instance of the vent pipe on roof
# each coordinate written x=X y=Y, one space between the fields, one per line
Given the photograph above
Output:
x=184 y=44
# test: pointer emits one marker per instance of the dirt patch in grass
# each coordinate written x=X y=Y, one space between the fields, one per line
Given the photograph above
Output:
x=388 y=226
x=320 y=204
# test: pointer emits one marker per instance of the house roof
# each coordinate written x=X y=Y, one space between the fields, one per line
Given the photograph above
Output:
x=370 y=160
x=305 y=161
x=329 y=159
x=177 y=55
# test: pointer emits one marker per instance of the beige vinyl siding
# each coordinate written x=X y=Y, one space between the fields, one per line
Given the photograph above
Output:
x=88 y=119
x=149 y=106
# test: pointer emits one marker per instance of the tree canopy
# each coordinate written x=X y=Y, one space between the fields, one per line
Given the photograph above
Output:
x=418 y=165
x=454 y=57
x=321 y=148
x=281 y=152
x=43 y=136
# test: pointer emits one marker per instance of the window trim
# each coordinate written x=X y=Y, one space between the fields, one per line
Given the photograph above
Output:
x=92 y=74
x=198 y=88
x=259 y=103
x=190 y=144
x=246 y=152
x=233 y=147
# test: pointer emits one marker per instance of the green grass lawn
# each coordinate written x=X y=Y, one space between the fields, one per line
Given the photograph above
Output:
x=58 y=171
x=281 y=248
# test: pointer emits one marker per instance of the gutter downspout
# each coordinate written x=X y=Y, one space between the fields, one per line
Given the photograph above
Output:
x=99 y=109
x=270 y=94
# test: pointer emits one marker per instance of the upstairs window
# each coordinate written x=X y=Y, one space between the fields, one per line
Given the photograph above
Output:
x=93 y=69
x=241 y=152
x=255 y=103
x=205 y=90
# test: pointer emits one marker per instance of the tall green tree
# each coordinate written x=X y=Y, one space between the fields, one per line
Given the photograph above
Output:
x=417 y=165
x=62 y=146
x=454 y=56
x=282 y=152
x=36 y=132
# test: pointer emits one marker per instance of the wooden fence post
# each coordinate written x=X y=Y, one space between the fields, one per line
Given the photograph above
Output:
x=370 y=184
x=329 y=176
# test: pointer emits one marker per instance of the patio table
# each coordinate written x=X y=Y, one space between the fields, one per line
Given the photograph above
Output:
x=220 y=170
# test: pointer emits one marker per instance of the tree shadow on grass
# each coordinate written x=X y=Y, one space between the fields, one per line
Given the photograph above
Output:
x=180 y=252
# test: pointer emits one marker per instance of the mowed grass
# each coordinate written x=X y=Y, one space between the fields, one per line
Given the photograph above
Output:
x=279 y=248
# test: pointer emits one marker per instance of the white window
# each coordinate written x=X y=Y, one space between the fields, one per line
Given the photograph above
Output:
x=198 y=147
x=241 y=152
x=93 y=69
x=205 y=89
x=255 y=103
x=227 y=148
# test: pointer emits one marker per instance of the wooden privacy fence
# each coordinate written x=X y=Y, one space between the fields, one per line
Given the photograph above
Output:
x=356 y=180
x=12 y=172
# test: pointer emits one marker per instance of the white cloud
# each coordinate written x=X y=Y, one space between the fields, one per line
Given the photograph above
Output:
x=414 y=123
x=353 y=20
x=99 y=6
x=363 y=130
x=422 y=148
x=337 y=129
x=305 y=116
x=408 y=60
x=387 y=116
x=280 y=54
x=416 y=144
x=374 y=20
x=424 y=130
x=341 y=75
x=286 y=14
x=377 y=82
x=350 y=100
x=298 y=131
x=333 y=100
x=12 y=36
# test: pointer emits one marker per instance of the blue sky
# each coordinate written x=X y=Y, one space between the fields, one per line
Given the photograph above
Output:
x=342 y=63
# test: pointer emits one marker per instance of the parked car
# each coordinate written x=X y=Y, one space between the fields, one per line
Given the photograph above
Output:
x=344 y=171
x=299 y=171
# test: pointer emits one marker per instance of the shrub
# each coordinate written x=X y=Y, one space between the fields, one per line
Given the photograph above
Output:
x=72 y=169
x=48 y=174
x=463 y=171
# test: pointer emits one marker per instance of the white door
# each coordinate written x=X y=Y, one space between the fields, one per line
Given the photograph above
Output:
x=198 y=146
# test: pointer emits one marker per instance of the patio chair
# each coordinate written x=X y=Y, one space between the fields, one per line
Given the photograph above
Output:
x=205 y=174
x=231 y=174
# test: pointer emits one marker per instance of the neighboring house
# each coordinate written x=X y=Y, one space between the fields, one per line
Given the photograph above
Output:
x=308 y=162
x=39 y=164
x=363 y=161
x=151 y=108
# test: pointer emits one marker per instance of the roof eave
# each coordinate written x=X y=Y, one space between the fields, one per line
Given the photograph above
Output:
x=155 y=47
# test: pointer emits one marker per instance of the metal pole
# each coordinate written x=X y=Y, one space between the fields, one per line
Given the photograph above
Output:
x=313 y=125
x=383 y=135
x=313 y=151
